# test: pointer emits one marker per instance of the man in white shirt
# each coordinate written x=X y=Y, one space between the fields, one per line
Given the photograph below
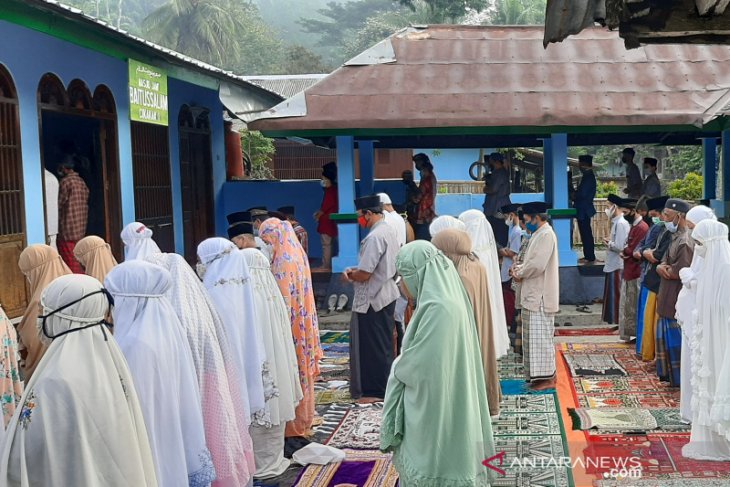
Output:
x=51 y=191
x=614 y=265
x=508 y=253
x=398 y=223
x=393 y=219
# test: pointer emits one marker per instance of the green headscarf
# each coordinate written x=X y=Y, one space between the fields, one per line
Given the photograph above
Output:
x=436 y=419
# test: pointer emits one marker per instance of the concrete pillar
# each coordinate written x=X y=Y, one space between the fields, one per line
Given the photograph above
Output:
x=722 y=206
x=709 y=168
x=348 y=236
x=558 y=184
x=547 y=167
x=366 y=152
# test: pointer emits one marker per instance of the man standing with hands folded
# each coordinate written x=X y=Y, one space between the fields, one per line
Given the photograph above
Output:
x=373 y=322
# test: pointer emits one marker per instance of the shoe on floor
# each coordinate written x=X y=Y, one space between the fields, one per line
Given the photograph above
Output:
x=341 y=302
x=331 y=303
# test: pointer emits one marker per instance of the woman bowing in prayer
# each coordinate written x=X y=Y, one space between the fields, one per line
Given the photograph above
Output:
x=441 y=223
x=291 y=271
x=227 y=278
x=272 y=315
x=436 y=416
x=456 y=245
x=152 y=340
x=708 y=344
x=80 y=423
x=224 y=416
x=138 y=243
x=11 y=387
x=95 y=256
x=40 y=264
x=485 y=247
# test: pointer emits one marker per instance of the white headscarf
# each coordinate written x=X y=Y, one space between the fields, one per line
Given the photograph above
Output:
x=485 y=247
x=225 y=407
x=138 y=242
x=151 y=338
x=441 y=223
x=80 y=421
x=272 y=316
x=227 y=278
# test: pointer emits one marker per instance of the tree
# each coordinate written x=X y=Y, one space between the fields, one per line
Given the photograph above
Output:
x=300 y=60
x=682 y=160
x=518 y=12
x=257 y=150
x=447 y=11
x=689 y=188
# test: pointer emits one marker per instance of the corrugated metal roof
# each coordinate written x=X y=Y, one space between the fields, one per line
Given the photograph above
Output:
x=286 y=85
x=494 y=76
x=169 y=54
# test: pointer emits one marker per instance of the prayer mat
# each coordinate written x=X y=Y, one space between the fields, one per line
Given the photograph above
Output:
x=528 y=403
x=335 y=360
x=510 y=366
x=533 y=477
x=330 y=374
x=529 y=448
x=669 y=419
x=332 y=415
x=593 y=364
x=520 y=387
x=630 y=400
x=530 y=424
x=613 y=419
x=359 y=469
x=579 y=347
x=618 y=384
x=331 y=349
x=335 y=337
x=331 y=396
x=593 y=331
x=360 y=429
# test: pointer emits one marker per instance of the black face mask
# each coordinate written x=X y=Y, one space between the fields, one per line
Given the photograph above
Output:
x=631 y=217
x=103 y=322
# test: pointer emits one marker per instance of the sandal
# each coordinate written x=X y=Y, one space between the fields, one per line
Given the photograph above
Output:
x=331 y=303
x=341 y=302
x=583 y=309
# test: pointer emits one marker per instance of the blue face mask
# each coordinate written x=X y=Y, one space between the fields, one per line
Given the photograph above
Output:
x=531 y=227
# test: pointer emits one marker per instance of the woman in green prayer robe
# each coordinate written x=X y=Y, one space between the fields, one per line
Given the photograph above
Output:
x=436 y=419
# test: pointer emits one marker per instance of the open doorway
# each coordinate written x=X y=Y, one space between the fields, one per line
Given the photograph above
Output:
x=75 y=123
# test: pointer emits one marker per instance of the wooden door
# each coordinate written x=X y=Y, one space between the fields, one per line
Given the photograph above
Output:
x=13 y=292
x=153 y=182
x=196 y=180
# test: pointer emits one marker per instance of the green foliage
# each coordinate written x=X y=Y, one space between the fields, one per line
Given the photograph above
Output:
x=122 y=14
x=446 y=11
x=604 y=189
x=682 y=160
x=518 y=12
x=689 y=188
x=300 y=60
x=258 y=150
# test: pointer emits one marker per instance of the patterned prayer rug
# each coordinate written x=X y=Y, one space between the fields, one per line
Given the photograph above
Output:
x=593 y=364
x=335 y=337
x=532 y=403
x=578 y=347
x=331 y=396
x=669 y=419
x=631 y=400
x=529 y=447
x=518 y=424
x=360 y=429
x=618 y=385
x=332 y=415
x=593 y=331
x=533 y=477
x=359 y=469
x=613 y=419
x=336 y=349
x=334 y=373
x=510 y=366
x=336 y=361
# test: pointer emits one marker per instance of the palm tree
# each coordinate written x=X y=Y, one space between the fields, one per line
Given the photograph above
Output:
x=518 y=12
x=203 y=29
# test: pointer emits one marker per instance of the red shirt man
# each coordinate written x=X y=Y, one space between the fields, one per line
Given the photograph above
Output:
x=73 y=211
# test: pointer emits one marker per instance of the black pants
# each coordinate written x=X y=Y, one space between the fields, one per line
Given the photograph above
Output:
x=586 y=236
x=400 y=332
x=501 y=231
x=375 y=350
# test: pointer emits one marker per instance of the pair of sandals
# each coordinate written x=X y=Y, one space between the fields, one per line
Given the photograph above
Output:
x=335 y=303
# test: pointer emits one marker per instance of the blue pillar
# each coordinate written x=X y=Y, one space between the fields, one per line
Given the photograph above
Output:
x=547 y=167
x=366 y=152
x=559 y=189
x=709 y=172
x=348 y=236
x=722 y=205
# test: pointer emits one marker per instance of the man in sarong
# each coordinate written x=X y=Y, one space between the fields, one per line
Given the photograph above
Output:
x=539 y=297
x=631 y=272
x=678 y=256
x=373 y=322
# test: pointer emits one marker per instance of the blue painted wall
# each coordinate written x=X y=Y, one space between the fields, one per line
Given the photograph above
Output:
x=41 y=54
x=28 y=55
x=452 y=164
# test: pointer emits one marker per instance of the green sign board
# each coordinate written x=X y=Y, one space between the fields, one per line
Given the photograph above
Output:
x=147 y=93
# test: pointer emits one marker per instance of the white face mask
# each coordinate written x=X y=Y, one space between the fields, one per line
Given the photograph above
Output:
x=610 y=211
x=671 y=226
x=701 y=250
x=509 y=223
